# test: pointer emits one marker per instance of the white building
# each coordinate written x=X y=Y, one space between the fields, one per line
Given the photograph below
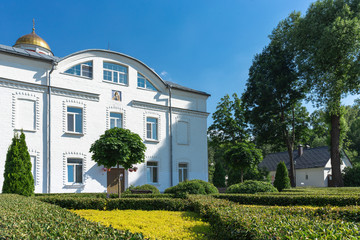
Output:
x=312 y=165
x=64 y=104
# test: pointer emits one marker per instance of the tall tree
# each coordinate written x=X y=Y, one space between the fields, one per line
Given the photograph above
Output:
x=118 y=146
x=273 y=94
x=17 y=175
x=328 y=46
x=228 y=134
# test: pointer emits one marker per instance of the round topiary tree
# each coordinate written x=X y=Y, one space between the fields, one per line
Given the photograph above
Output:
x=251 y=186
x=118 y=146
x=17 y=175
x=219 y=175
x=282 y=180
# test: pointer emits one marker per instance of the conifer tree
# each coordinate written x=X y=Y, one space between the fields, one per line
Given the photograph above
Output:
x=282 y=180
x=219 y=175
x=18 y=178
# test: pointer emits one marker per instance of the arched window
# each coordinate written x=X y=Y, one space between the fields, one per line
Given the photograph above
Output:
x=83 y=69
x=115 y=73
x=144 y=83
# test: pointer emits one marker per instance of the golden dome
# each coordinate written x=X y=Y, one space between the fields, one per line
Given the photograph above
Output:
x=32 y=39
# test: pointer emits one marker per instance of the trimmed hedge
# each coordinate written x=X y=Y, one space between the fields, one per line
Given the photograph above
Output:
x=291 y=200
x=192 y=187
x=229 y=220
x=170 y=204
x=27 y=218
x=251 y=186
x=149 y=187
x=103 y=195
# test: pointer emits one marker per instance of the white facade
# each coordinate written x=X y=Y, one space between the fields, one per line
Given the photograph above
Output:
x=62 y=114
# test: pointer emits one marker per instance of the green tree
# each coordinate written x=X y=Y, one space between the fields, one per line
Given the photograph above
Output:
x=274 y=92
x=17 y=175
x=352 y=176
x=328 y=52
x=219 y=175
x=282 y=180
x=118 y=146
x=241 y=156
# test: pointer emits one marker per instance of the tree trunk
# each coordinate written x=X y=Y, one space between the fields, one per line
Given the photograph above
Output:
x=242 y=175
x=119 y=183
x=335 y=150
x=289 y=146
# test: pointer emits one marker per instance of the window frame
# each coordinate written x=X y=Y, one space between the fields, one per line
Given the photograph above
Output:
x=82 y=70
x=116 y=119
x=146 y=81
x=75 y=177
x=181 y=171
x=118 y=73
x=74 y=114
x=150 y=170
x=152 y=126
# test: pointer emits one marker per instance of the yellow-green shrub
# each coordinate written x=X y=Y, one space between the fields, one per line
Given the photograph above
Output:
x=152 y=224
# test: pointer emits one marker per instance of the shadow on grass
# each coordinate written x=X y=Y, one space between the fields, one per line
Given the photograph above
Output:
x=201 y=231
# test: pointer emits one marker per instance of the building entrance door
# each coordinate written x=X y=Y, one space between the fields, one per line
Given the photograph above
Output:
x=113 y=180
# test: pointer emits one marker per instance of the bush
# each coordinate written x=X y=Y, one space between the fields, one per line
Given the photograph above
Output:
x=149 y=187
x=233 y=221
x=192 y=187
x=28 y=218
x=169 y=204
x=251 y=186
x=282 y=180
x=352 y=176
x=17 y=175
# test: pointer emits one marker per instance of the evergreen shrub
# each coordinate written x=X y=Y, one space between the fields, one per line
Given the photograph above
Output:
x=17 y=175
x=192 y=187
x=282 y=180
x=251 y=186
x=352 y=176
x=219 y=175
x=149 y=187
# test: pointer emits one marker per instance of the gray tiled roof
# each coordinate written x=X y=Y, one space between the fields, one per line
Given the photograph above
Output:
x=26 y=53
x=311 y=158
x=177 y=86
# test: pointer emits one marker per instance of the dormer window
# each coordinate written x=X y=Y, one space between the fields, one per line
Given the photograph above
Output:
x=115 y=73
x=82 y=69
x=144 y=83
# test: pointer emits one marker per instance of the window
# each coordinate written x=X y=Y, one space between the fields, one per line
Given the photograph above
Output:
x=144 y=83
x=115 y=73
x=183 y=172
x=151 y=128
x=74 y=120
x=115 y=120
x=74 y=170
x=26 y=114
x=83 y=69
x=152 y=172
x=306 y=177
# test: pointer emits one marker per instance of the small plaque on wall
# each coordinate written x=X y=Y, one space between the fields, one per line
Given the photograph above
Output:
x=116 y=95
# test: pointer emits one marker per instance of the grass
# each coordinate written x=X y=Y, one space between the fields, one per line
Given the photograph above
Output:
x=152 y=224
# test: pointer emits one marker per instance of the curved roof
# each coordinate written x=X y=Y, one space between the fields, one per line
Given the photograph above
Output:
x=166 y=83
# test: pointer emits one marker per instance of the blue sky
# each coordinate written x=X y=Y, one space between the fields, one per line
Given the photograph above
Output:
x=206 y=45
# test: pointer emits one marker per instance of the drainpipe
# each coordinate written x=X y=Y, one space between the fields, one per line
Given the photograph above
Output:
x=171 y=141
x=48 y=126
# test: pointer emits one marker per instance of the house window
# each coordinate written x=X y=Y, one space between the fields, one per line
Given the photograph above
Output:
x=82 y=69
x=26 y=118
x=152 y=172
x=151 y=128
x=115 y=120
x=115 y=73
x=307 y=177
x=183 y=172
x=144 y=83
x=74 y=120
x=74 y=170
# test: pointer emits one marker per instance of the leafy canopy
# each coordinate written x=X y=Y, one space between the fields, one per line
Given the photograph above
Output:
x=118 y=146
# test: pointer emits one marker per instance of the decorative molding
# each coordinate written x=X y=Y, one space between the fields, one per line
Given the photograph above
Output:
x=77 y=155
x=74 y=103
x=117 y=109
x=157 y=107
x=188 y=134
x=22 y=85
x=27 y=96
x=36 y=154
x=159 y=124
x=75 y=94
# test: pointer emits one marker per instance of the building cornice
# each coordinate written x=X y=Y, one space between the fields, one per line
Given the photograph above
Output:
x=152 y=106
